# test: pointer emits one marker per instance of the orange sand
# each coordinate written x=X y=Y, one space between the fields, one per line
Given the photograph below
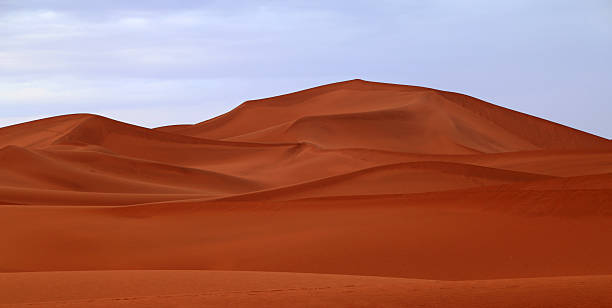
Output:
x=388 y=195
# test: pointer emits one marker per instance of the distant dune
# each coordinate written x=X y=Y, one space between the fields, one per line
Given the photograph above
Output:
x=390 y=117
x=388 y=195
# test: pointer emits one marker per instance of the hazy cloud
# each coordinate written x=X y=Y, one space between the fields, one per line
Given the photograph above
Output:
x=161 y=62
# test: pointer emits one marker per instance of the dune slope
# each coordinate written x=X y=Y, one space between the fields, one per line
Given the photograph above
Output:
x=392 y=117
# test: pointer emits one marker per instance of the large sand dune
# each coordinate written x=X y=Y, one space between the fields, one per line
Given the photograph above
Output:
x=388 y=195
x=409 y=119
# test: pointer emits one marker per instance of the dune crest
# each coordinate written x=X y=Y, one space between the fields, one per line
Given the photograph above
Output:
x=392 y=117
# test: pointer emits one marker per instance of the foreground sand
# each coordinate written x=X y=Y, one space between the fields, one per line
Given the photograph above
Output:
x=268 y=289
x=468 y=256
x=395 y=237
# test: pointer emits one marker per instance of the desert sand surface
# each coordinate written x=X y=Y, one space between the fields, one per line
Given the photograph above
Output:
x=269 y=289
x=353 y=194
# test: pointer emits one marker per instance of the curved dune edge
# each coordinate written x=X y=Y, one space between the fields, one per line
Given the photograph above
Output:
x=454 y=121
x=410 y=177
x=266 y=289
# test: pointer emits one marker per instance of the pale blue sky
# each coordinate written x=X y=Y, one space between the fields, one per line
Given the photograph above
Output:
x=154 y=63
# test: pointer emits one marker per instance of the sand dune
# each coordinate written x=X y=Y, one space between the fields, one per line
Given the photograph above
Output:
x=387 y=194
x=401 y=178
x=556 y=163
x=29 y=196
x=39 y=133
x=22 y=167
x=429 y=121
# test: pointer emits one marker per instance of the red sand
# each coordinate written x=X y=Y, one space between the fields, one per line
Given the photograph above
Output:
x=268 y=289
x=388 y=195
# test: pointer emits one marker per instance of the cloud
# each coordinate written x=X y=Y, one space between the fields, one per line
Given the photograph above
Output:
x=70 y=56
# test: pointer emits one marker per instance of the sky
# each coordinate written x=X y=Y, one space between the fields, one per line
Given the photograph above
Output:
x=155 y=63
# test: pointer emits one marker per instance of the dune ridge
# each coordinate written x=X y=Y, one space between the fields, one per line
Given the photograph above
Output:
x=361 y=98
x=411 y=177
